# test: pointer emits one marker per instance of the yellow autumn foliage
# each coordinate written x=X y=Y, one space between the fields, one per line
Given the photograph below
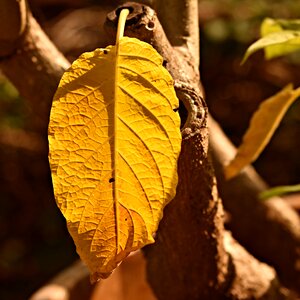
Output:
x=114 y=142
x=262 y=127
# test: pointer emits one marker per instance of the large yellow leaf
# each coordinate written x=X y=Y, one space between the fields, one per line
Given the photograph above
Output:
x=114 y=142
x=262 y=126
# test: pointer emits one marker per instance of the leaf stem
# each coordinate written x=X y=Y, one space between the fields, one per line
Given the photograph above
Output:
x=279 y=190
x=121 y=24
x=120 y=32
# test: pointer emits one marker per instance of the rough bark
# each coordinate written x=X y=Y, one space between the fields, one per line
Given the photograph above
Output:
x=186 y=219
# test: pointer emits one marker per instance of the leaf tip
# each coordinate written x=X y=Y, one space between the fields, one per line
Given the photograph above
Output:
x=97 y=276
x=244 y=59
x=230 y=171
x=263 y=195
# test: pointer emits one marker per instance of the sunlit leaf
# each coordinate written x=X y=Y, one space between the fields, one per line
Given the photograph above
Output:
x=275 y=25
x=279 y=190
x=262 y=126
x=271 y=26
x=114 y=143
x=278 y=37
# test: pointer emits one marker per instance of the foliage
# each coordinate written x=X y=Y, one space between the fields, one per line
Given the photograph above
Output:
x=262 y=126
x=279 y=37
x=114 y=142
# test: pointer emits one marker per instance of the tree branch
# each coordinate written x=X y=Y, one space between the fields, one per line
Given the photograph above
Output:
x=268 y=229
x=179 y=19
x=13 y=20
x=33 y=63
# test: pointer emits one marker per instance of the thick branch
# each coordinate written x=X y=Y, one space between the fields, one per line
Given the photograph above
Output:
x=34 y=65
x=13 y=20
x=269 y=229
x=179 y=19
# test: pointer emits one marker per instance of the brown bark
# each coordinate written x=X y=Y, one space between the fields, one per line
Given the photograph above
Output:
x=13 y=24
x=194 y=217
x=179 y=19
x=34 y=65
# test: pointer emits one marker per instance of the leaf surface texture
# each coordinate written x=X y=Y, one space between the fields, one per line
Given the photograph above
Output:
x=114 y=142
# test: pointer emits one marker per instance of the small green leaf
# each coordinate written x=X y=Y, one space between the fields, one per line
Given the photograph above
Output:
x=270 y=26
x=279 y=190
x=277 y=43
x=274 y=25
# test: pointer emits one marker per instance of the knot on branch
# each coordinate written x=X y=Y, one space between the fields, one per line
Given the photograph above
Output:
x=140 y=21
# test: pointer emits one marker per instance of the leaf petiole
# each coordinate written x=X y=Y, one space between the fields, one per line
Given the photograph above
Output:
x=121 y=24
x=279 y=190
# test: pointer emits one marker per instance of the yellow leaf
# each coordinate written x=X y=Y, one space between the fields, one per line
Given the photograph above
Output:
x=114 y=142
x=262 y=126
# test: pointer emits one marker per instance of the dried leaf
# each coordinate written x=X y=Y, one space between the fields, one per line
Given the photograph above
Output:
x=262 y=126
x=114 y=143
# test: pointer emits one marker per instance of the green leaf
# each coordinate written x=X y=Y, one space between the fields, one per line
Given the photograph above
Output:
x=274 y=25
x=270 y=26
x=277 y=43
x=279 y=190
x=279 y=37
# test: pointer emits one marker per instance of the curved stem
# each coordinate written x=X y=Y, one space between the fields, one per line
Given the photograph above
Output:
x=121 y=24
x=120 y=32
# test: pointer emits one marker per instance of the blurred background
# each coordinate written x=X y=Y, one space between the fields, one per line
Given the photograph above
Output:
x=34 y=243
